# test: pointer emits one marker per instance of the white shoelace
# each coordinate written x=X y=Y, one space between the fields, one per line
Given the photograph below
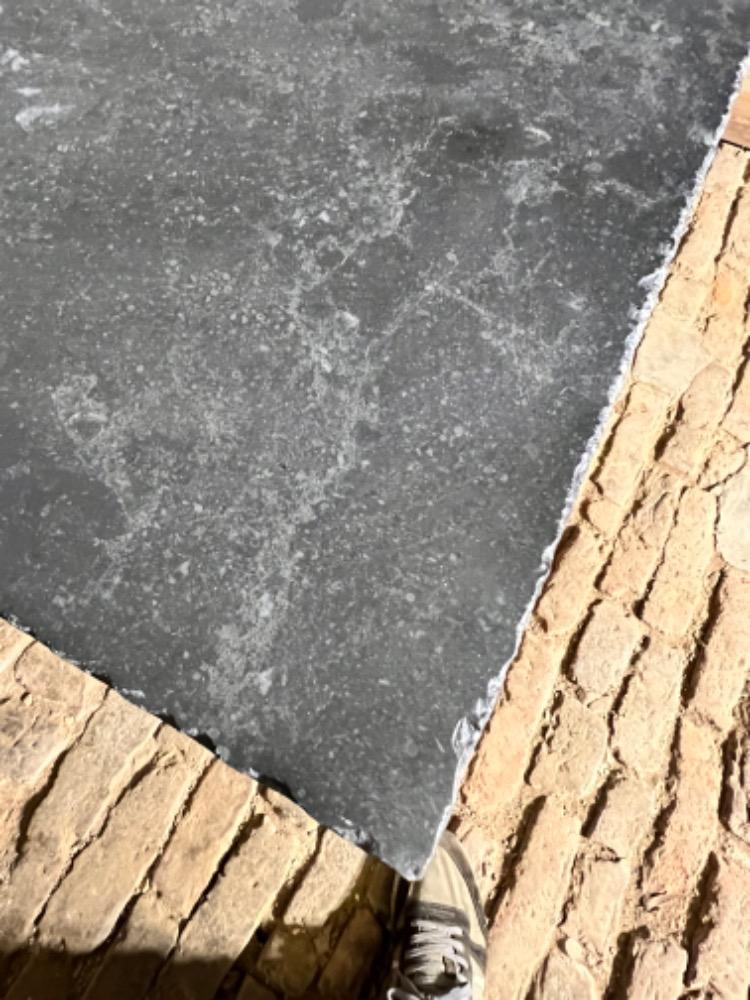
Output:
x=435 y=952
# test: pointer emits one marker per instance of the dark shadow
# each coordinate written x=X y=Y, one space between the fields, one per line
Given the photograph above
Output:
x=46 y=974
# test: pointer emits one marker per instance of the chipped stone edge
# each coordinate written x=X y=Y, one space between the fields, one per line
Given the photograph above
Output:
x=469 y=728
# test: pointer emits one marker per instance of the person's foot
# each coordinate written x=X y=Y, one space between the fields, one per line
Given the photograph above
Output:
x=444 y=933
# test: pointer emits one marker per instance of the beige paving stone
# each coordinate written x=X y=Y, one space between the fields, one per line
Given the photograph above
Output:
x=658 y=971
x=678 y=589
x=645 y=719
x=529 y=910
x=116 y=743
x=352 y=961
x=609 y=641
x=732 y=535
x=83 y=910
x=573 y=752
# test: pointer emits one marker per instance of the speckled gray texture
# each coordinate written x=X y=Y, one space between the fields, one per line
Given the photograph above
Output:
x=308 y=311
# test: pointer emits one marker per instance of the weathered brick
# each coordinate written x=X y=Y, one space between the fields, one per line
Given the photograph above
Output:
x=238 y=901
x=726 y=458
x=523 y=928
x=658 y=971
x=327 y=884
x=50 y=703
x=563 y=979
x=568 y=589
x=724 y=333
x=642 y=727
x=725 y=661
x=605 y=650
x=701 y=409
x=732 y=534
x=626 y=816
x=631 y=442
x=737 y=420
x=12 y=643
x=251 y=989
x=45 y=704
x=502 y=756
x=603 y=514
x=83 y=910
x=353 y=958
x=592 y=918
x=674 y=869
x=670 y=355
x=678 y=588
x=722 y=965
x=219 y=805
x=289 y=961
x=736 y=813
x=706 y=235
x=573 y=752
x=639 y=544
x=117 y=741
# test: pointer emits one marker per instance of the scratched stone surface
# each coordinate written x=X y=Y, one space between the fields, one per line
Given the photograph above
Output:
x=308 y=312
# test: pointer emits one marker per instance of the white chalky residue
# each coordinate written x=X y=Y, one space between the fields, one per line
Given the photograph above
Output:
x=45 y=114
x=13 y=59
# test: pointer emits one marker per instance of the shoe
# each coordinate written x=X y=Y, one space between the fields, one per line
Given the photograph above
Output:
x=444 y=932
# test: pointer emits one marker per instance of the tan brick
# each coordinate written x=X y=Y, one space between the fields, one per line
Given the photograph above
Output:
x=631 y=443
x=737 y=420
x=51 y=701
x=639 y=544
x=329 y=881
x=563 y=979
x=220 y=804
x=117 y=741
x=12 y=643
x=230 y=913
x=83 y=910
x=606 y=648
x=567 y=592
x=626 y=816
x=725 y=661
x=658 y=971
x=289 y=961
x=726 y=458
x=737 y=785
x=723 y=952
x=573 y=751
x=353 y=959
x=643 y=725
x=603 y=514
x=701 y=409
x=705 y=238
x=592 y=919
x=678 y=588
x=251 y=989
x=523 y=928
x=670 y=355
x=732 y=534
x=45 y=704
x=724 y=334
x=674 y=869
x=502 y=756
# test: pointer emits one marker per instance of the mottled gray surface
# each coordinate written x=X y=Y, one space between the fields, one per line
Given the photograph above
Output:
x=308 y=311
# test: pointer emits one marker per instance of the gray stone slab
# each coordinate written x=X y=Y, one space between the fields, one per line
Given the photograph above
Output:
x=308 y=312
